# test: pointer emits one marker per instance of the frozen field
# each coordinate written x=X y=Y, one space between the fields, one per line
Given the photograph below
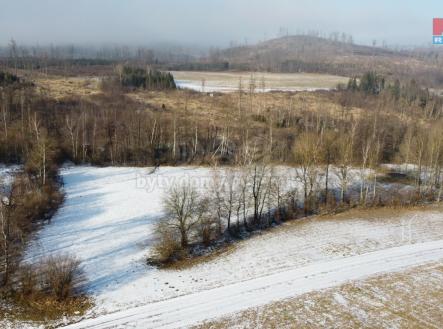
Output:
x=107 y=221
x=264 y=82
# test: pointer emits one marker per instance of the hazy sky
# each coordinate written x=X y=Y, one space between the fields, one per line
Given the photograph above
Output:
x=212 y=22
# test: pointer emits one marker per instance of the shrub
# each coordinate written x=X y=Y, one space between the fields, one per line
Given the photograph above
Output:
x=167 y=247
x=47 y=290
x=61 y=275
x=207 y=229
x=28 y=280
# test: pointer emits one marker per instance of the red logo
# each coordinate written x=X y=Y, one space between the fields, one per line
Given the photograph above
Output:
x=438 y=26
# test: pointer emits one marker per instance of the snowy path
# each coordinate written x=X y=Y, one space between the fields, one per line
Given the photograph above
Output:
x=191 y=309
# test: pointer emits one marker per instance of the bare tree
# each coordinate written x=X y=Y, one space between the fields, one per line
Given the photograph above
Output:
x=345 y=158
x=207 y=223
x=418 y=153
x=328 y=154
x=217 y=198
x=435 y=157
x=73 y=131
x=242 y=201
x=182 y=209
x=13 y=52
x=119 y=69
x=5 y=114
x=307 y=157
x=260 y=186
x=42 y=151
x=7 y=227
x=369 y=151
x=229 y=195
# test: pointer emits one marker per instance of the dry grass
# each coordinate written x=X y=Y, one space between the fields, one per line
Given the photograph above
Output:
x=410 y=299
x=381 y=212
x=43 y=311
x=217 y=109
x=60 y=87
x=225 y=107
x=187 y=263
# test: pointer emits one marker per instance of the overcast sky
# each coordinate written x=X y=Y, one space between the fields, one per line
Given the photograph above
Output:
x=212 y=22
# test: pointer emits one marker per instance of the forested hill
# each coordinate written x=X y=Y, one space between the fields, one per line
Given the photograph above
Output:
x=340 y=56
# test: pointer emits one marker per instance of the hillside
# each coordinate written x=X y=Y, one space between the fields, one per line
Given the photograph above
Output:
x=304 y=47
x=318 y=55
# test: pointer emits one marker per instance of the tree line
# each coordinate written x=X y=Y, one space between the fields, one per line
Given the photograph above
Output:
x=325 y=177
x=148 y=78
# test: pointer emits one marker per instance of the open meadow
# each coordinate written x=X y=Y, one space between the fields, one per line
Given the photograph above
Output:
x=260 y=81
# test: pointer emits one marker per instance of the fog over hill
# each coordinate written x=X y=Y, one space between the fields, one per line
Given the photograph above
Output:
x=212 y=23
x=337 y=54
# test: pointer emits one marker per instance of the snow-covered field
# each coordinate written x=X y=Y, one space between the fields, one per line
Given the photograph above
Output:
x=107 y=221
x=410 y=298
x=226 y=82
x=219 y=87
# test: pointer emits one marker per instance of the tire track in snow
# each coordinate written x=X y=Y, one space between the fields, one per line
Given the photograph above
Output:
x=194 y=308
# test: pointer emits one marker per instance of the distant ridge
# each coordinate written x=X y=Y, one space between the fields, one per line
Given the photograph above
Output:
x=302 y=53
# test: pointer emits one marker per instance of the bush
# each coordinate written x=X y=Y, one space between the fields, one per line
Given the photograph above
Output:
x=46 y=290
x=28 y=278
x=61 y=276
x=55 y=277
x=167 y=247
x=207 y=230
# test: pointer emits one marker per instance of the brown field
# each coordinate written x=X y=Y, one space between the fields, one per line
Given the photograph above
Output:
x=225 y=105
x=59 y=87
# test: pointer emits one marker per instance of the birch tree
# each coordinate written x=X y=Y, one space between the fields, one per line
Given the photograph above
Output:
x=307 y=158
